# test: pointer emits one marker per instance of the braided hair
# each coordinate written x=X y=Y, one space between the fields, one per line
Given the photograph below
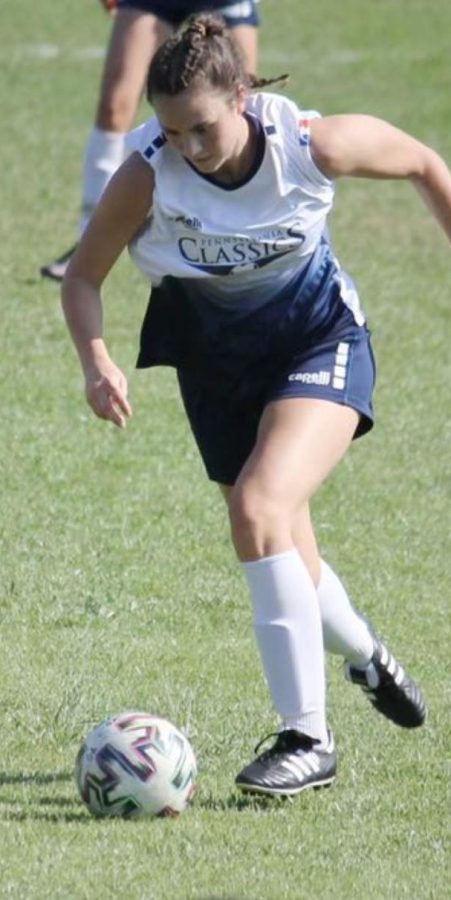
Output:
x=201 y=50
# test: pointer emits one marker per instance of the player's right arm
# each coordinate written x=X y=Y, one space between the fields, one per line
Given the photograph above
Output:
x=120 y=213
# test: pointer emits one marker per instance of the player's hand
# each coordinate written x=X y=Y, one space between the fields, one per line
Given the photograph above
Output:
x=106 y=393
x=110 y=6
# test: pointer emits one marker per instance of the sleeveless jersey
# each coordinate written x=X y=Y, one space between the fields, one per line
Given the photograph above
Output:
x=242 y=242
x=243 y=275
x=258 y=253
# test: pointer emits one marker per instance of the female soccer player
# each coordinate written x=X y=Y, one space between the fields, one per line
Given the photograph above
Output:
x=224 y=207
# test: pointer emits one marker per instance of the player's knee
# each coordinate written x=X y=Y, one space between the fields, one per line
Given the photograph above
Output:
x=257 y=522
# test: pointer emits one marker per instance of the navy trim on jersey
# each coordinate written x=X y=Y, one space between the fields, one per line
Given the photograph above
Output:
x=156 y=144
x=258 y=159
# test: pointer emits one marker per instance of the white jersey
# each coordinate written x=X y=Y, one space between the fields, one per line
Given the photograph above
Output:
x=241 y=242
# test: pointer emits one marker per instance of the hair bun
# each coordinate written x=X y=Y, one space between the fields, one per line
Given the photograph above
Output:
x=205 y=26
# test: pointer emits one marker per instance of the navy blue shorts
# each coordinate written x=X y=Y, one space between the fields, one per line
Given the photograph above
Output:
x=176 y=11
x=341 y=369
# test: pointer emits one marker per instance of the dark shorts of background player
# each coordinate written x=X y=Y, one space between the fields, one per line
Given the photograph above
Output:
x=341 y=370
x=176 y=11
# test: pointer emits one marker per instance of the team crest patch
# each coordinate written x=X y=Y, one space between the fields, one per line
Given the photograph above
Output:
x=304 y=132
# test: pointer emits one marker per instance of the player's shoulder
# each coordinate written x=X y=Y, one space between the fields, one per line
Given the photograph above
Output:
x=277 y=112
x=147 y=139
x=271 y=107
x=288 y=128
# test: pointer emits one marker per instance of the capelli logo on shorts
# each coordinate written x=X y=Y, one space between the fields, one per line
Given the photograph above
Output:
x=310 y=377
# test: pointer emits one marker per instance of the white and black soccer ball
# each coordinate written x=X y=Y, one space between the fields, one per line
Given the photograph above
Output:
x=135 y=764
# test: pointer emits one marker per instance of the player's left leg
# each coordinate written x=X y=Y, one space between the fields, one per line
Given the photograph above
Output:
x=368 y=662
x=344 y=631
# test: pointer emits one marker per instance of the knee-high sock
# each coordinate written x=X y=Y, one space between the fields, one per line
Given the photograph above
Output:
x=344 y=631
x=104 y=154
x=288 y=629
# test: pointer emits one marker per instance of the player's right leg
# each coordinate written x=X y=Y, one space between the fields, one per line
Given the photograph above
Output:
x=135 y=36
x=300 y=441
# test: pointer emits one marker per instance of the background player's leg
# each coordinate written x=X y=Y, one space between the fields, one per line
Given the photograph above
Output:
x=243 y=21
x=134 y=38
x=246 y=37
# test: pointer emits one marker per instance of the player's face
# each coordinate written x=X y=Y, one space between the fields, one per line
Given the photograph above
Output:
x=206 y=126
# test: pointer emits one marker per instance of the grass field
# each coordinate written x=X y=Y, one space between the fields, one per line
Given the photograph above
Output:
x=118 y=585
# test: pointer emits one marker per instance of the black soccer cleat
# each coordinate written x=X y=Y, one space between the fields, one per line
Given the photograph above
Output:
x=56 y=270
x=290 y=766
x=389 y=688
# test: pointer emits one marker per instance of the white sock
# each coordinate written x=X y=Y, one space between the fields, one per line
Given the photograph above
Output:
x=344 y=631
x=104 y=154
x=287 y=625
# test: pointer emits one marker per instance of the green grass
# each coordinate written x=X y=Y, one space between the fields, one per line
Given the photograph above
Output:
x=118 y=585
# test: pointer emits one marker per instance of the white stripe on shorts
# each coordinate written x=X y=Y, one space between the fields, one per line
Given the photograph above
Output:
x=340 y=367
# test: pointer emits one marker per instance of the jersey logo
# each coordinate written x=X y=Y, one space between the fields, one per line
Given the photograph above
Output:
x=188 y=221
x=227 y=255
x=304 y=132
x=231 y=269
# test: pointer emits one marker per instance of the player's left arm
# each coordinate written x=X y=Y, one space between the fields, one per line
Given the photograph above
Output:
x=366 y=147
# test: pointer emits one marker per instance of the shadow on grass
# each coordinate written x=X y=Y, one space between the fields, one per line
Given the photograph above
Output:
x=241 y=803
x=34 y=777
x=47 y=808
x=39 y=807
x=42 y=815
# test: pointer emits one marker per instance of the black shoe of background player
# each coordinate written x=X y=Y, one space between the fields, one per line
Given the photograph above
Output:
x=56 y=270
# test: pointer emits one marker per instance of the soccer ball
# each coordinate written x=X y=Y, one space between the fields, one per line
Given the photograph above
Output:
x=135 y=764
